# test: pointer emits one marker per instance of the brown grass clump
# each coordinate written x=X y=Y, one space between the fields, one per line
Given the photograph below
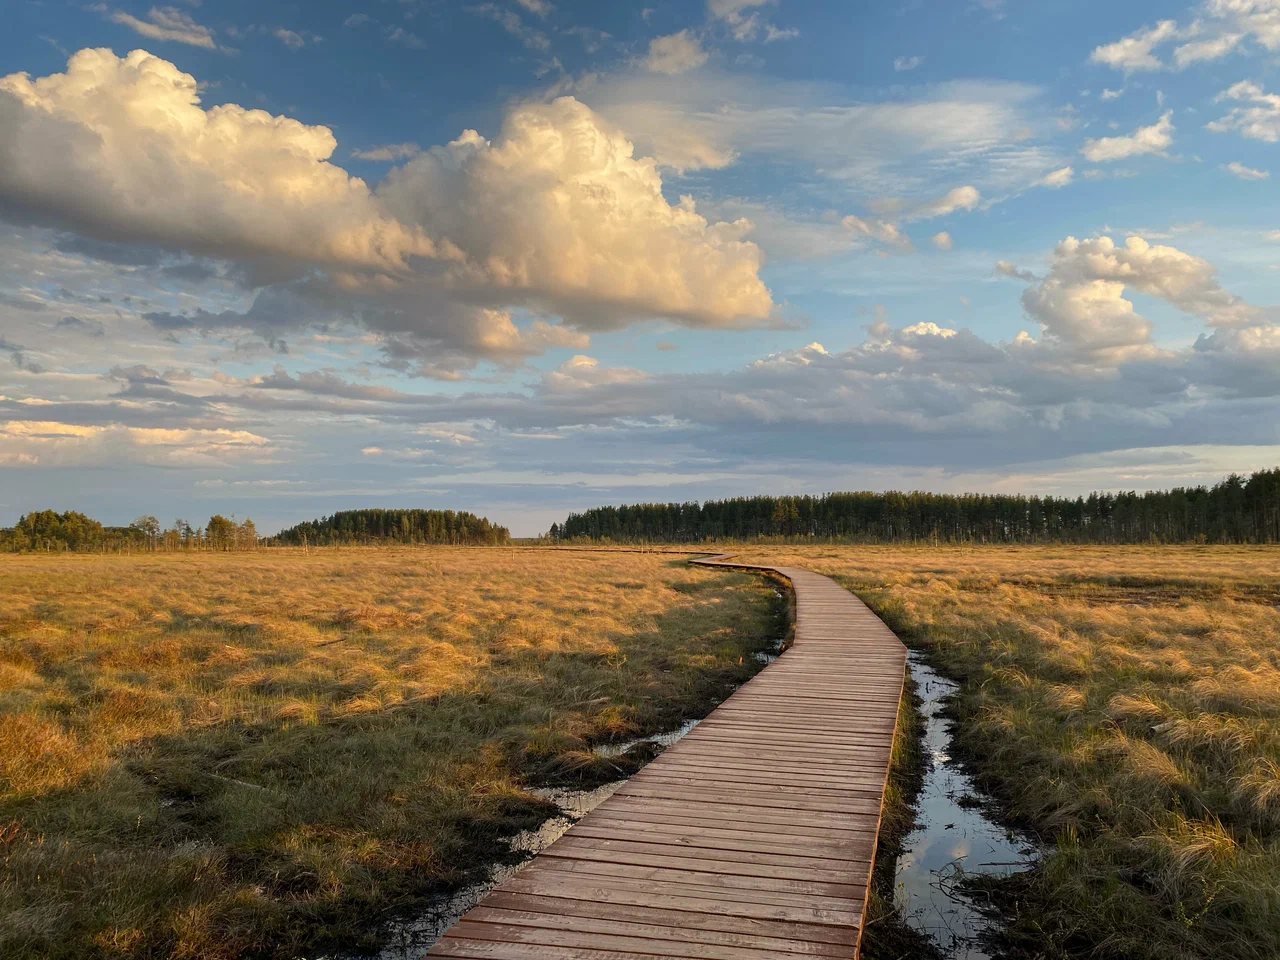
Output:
x=265 y=755
x=1123 y=702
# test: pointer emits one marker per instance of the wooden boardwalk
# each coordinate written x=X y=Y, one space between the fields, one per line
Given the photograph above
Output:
x=751 y=837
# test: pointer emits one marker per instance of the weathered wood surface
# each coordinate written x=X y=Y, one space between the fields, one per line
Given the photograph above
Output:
x=751 y=837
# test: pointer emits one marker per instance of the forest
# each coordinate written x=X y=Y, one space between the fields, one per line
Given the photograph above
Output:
x=71 y=531
x=396 y=526
x=1236 y=510
x=74 y=532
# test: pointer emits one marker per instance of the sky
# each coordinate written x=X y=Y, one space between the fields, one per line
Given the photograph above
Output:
x=524 y=257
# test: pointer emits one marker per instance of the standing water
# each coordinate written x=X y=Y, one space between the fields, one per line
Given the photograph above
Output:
x=952 y=837
x=409 y=940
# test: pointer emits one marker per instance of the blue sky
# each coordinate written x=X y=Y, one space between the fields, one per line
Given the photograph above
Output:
x=524 y=257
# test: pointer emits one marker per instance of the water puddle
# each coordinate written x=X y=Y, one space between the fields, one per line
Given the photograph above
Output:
x=953 y=837
x=409 y=940
x=660 y=739
x=773 y=653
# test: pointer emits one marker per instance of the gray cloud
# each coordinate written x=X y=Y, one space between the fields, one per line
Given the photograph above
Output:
x=928 y=395
x=19 y=357
x=21 y=302
x=109 y=251
x=923 y=395
x=91 y=328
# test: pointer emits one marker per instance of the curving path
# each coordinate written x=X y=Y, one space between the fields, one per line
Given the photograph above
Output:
x=751 y=837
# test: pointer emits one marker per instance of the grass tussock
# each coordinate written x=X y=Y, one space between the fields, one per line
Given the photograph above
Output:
x=265 y=755
x=1123 y=702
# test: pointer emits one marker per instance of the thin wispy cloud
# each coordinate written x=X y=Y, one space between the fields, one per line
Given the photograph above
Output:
x=168 y=24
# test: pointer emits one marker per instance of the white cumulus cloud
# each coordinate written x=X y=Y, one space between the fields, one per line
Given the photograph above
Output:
x=292 y=40
x=121 y=149
x=961 y=198
x=1057 y=178
x=676 y=53
x=1260 y=121
x=1218 y=28
x=558 y=212
x=1134 y=52
x=1208 y=49
x=881 y=230
x=1153 y=139
x=555 y=214
x=1081 y=303
x=742 y=17
x=1247 y=173
x=1258 y=19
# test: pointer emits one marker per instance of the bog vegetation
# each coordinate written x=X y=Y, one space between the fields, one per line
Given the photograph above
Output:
x=1123 y=703
x=1237 y=510
x=225 y=755
x=222 y=755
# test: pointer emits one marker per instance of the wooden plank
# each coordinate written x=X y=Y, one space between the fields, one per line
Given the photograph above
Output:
x=781 y=824
x=710 y=773
x=681 y=924
x=501 y=930
x=777 y=821
x=711 y=877
x=866 y=786
x=685 y=897
x=739 y=757
x=693 y=856
x=696 y=898
x=769 y=799
x=752 y=837
x=751 y=766
x=729 y=746
x=729 y=842
x=656 y=925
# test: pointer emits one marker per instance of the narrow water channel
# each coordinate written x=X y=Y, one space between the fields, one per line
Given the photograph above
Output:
x=953 y=837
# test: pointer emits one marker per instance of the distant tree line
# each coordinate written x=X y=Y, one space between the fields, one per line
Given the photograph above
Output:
x=396 y=526
x=1237 y=510
x=51 y=531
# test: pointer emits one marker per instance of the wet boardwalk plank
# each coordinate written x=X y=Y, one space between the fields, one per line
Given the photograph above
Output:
x=752 y=837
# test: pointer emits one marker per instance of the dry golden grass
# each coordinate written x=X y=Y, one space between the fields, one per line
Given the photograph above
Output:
x=1124 y=702
x=237 y=755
